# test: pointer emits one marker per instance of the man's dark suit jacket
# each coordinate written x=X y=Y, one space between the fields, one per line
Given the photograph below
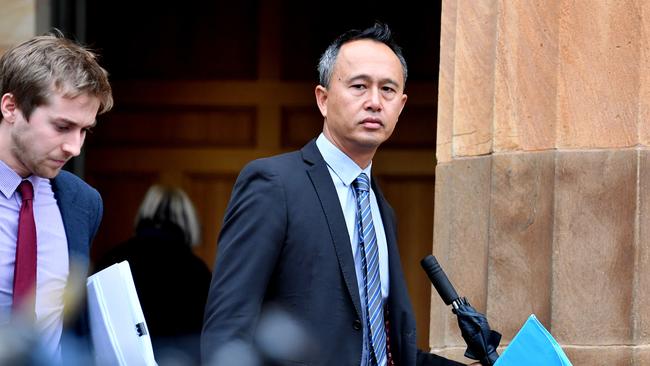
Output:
x=284 y=242
x=81 y=210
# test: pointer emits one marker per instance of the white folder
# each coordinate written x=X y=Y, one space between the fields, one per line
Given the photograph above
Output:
x=117 y=326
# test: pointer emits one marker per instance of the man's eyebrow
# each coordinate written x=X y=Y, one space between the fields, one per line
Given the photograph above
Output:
x=71 y=122
x=390 y=81
x=364 y=77
x=361 y=77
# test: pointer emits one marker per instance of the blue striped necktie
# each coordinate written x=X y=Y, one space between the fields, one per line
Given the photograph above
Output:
x=371 y=279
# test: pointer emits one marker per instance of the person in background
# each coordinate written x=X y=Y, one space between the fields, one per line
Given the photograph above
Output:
x=309 y=232
x=51 y=91
x=172 y=283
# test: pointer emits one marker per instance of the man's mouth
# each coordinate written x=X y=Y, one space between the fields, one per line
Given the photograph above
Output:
x=372 y=123
x=59 y=162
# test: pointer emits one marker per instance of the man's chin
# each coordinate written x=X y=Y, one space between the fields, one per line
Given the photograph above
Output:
x=371 y=141
x=47 y=173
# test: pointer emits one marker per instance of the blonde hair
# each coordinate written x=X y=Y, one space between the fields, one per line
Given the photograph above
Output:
x=36 y=68
x=163 y=204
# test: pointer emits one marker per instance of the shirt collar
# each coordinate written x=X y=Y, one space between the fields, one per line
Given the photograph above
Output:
x=9 y=180
x=342 y=165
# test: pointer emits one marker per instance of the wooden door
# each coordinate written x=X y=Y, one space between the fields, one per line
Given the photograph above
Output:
x=201 y=91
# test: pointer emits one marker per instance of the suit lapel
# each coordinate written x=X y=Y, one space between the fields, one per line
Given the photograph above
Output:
x=329 y=200
x=73 y=222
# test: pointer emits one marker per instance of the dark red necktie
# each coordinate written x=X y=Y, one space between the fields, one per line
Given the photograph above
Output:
x=25 y=269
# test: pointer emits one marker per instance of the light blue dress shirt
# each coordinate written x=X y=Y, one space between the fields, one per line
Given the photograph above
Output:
x=52 y=256
x=344 y=171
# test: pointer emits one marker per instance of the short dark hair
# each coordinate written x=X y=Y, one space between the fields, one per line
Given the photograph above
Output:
x=379 y=32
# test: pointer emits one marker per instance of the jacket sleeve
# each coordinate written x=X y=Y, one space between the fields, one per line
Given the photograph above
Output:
x=99 y=212
x=430 y=359
x=249 y=246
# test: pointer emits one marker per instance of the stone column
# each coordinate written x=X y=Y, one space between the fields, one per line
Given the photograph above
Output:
x=17 y=22
x=543 y=176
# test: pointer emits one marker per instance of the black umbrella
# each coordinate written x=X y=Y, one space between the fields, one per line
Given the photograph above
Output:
x=482 y=342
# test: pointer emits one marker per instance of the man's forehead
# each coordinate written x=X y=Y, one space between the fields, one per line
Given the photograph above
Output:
x=356 y=58
x=79 y=109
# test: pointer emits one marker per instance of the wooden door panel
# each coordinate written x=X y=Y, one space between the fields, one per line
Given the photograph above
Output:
x=210 y=194
x=412 y=199
x=176 y=126
x=121 y=193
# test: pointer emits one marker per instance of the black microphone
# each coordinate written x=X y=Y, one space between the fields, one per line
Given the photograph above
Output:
x=440 y=281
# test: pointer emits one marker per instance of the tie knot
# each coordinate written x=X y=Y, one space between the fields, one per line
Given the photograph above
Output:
x=26 y=190
x=361 y=183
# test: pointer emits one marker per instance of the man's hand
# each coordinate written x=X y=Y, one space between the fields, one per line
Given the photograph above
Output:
x=475 y=364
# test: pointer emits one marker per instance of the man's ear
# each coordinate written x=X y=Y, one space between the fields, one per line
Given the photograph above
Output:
x=9 y=107
x=403 y=101
x=321 y=99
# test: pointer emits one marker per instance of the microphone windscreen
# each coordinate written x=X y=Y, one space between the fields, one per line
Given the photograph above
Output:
x=439 y=279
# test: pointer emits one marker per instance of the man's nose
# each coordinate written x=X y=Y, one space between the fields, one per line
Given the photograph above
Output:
x=72 y=145
x=374 y=100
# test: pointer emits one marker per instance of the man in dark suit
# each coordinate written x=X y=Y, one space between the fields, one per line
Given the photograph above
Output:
x=304 y=234
x=51 y=92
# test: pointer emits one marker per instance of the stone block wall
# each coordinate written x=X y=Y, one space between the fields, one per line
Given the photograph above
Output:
x=17 y=22
x=543 y=175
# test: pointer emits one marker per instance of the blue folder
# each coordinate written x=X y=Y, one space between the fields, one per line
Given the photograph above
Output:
x=532 y=346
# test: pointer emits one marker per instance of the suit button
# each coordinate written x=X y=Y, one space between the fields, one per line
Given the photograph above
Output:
x=357 y=324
